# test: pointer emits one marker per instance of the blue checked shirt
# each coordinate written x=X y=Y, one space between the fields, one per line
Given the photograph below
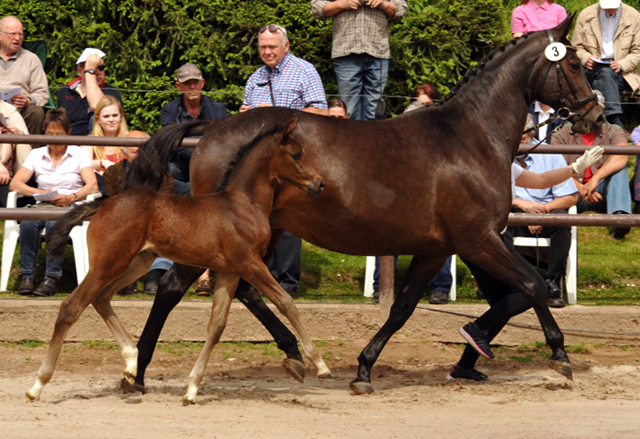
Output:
x=540 y=163
x=609 y=25
x=295 y=83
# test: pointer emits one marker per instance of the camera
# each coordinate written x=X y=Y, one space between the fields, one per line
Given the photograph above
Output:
x=365 y=3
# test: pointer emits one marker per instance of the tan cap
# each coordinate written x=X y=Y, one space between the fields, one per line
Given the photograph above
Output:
x=188 y=71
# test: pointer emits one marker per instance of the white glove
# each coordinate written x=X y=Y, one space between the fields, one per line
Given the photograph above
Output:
x=588 y=158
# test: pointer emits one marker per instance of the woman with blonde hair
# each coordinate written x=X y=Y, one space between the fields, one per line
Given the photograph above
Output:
x=109 y=122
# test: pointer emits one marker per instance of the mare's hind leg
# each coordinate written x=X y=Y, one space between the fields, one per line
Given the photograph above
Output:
x=267 y=285
x=421 y=270
x=498 y=261
x=139 y=266
x=173 y=286
x=225 y=289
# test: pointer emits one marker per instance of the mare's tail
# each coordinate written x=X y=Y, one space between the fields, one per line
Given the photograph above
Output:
x=59 y=235
x=152 y=163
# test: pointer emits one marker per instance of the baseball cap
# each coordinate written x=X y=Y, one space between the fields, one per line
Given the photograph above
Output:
x=609 y=4
x=188 y=71
x=90 y=51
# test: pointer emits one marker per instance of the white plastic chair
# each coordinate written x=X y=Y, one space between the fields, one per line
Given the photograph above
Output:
x=12 y=232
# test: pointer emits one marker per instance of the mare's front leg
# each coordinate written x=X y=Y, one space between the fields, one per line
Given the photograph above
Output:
x=225 y=288
x=267 y=285
x=421 y=270
x=498 y=261
x=172 y=287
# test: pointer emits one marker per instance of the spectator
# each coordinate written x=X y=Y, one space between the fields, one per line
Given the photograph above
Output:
x=506 y=302
x=360 y=49
x=424 y=94
x=81 y=96
x=189 y=106
x=534 y=15
x=338 y=109
x=109 y=122
x=61 y=168
x=10 y=153
x=603 y=187
x=555 y=199
x=284 y=81
x=541 y=113
x=635 y=184
x=22 y=69
x=607 y=38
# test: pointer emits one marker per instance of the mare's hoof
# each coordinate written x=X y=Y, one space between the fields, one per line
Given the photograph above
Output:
x=325 y=376
x=130 y=377
x=562 y=367
x=127 y=387
x=294 y=368
x=186 y=401
x=360 y=388
x=30 y=397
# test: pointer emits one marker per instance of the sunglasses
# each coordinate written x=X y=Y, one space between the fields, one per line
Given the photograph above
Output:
x=272 y=28
x=101 y=68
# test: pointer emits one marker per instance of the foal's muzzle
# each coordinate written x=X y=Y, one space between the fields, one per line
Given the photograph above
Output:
x=316 y=186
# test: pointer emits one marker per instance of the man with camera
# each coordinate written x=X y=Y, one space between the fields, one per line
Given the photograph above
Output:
x=360 y=49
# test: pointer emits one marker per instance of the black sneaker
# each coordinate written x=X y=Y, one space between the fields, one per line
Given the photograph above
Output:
x=554 y=295
x=439 y=298
x=458 y=372
x=477 y=339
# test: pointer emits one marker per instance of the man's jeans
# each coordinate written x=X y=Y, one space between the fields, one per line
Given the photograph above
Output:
x=602 y=77
x=361 y=81
x=616 y=196
x=29 y=245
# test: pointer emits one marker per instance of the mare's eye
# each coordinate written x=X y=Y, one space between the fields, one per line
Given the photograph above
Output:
x=296 y=157
x=575 y=66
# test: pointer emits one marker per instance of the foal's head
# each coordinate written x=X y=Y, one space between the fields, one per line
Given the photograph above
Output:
x=289 y=162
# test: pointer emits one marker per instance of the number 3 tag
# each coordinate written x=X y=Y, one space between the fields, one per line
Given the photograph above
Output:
x=555 y=51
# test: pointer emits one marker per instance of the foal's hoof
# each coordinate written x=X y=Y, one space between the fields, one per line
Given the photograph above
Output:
x=187 y=401
x=127 y=387
x=129 y=377
x=294 y=368
x=31 y=397
x=360 y=388
x=562 y=367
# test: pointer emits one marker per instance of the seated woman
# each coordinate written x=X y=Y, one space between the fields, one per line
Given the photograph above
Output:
x=337 y=108
x=61 y=168
x=109 y=122
x=11 y=155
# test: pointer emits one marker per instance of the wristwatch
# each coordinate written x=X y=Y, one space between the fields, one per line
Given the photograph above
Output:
x=90 y=71
x=75 y=196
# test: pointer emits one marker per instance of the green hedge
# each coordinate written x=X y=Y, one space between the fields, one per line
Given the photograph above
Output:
x=146 y=41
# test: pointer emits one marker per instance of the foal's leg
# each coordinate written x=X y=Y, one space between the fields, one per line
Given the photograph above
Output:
x=267 y=285
x=225 y=289
x=421 y=270
x=139 y=266
x=496 y=260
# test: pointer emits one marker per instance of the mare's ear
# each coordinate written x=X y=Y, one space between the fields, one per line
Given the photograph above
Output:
x=563 y=29
x=288 y=128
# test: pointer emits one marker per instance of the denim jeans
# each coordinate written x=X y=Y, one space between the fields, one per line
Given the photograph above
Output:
x=161 y=264
x=616 y=196
x=29 y=246
x=602 y=77
x=361 y=81
x=441 y=282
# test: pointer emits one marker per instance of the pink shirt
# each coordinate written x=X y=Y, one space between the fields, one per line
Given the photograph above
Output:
x=66 y=178
x=531 y=17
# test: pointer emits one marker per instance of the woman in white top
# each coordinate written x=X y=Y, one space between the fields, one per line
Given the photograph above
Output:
x=61 y=168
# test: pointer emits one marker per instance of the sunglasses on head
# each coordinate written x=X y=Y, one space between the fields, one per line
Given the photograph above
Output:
x=272 y=28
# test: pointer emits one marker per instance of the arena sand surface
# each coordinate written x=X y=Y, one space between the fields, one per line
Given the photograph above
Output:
x=246 y=394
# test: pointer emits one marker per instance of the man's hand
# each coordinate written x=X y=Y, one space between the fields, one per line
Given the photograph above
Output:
x=63 y=200
x=12 y=130
x=244 y=108
x=591 y=62
x=350 y=4
x=92 y=62
x=588 y=192
x=375 y=3
x=531 y=206
x=615 y=66
x=21 y=101
x=5 y=176
x=535 y=229
x=264 y=104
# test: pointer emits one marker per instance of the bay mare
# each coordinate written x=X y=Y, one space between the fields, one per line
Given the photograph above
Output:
x=227 y=232
x=431 y=183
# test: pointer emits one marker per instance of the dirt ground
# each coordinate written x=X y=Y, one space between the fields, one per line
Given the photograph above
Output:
x=247 y=394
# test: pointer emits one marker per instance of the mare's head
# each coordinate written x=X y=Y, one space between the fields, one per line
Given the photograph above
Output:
x=557 y=79
x=289 y=162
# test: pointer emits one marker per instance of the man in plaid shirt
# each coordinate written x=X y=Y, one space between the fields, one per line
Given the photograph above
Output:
x=360 y=49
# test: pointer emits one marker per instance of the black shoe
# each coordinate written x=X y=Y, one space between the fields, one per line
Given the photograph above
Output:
x=45 y=289
x=477 y=339
x=153 y=277
x=26 y=286
x=376 y=295
x=458 y=372
x=620 y=231
x=439 y=298
x=554 y=295
x=479 y=294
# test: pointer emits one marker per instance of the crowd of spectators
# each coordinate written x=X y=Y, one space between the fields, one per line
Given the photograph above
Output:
x=606 y=38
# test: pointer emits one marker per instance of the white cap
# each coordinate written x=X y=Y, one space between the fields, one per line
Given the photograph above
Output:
x=609 y=4
x=90 y=51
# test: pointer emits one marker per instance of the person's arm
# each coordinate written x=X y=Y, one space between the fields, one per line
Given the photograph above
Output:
x=387 y=7
x=90 y=187
x=334 y=8
x=39 y=86
x=19 y=183
x=564 y=202
x=6 y=151
x=93 y=89
x=613 y=164
x=167 y=115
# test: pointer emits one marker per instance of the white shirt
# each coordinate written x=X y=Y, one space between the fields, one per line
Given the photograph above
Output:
x=66 y=178
x=542 y=117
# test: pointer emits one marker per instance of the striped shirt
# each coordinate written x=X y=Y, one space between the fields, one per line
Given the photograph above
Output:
x=364 y=30
x=293 y=83
x=609 y=24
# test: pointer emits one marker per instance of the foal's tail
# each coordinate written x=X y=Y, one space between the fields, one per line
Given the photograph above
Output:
x=59 y=235
x=152 y=163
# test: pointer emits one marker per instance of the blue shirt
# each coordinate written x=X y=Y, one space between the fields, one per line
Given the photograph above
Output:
x=540 y=163
x=294 y=82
